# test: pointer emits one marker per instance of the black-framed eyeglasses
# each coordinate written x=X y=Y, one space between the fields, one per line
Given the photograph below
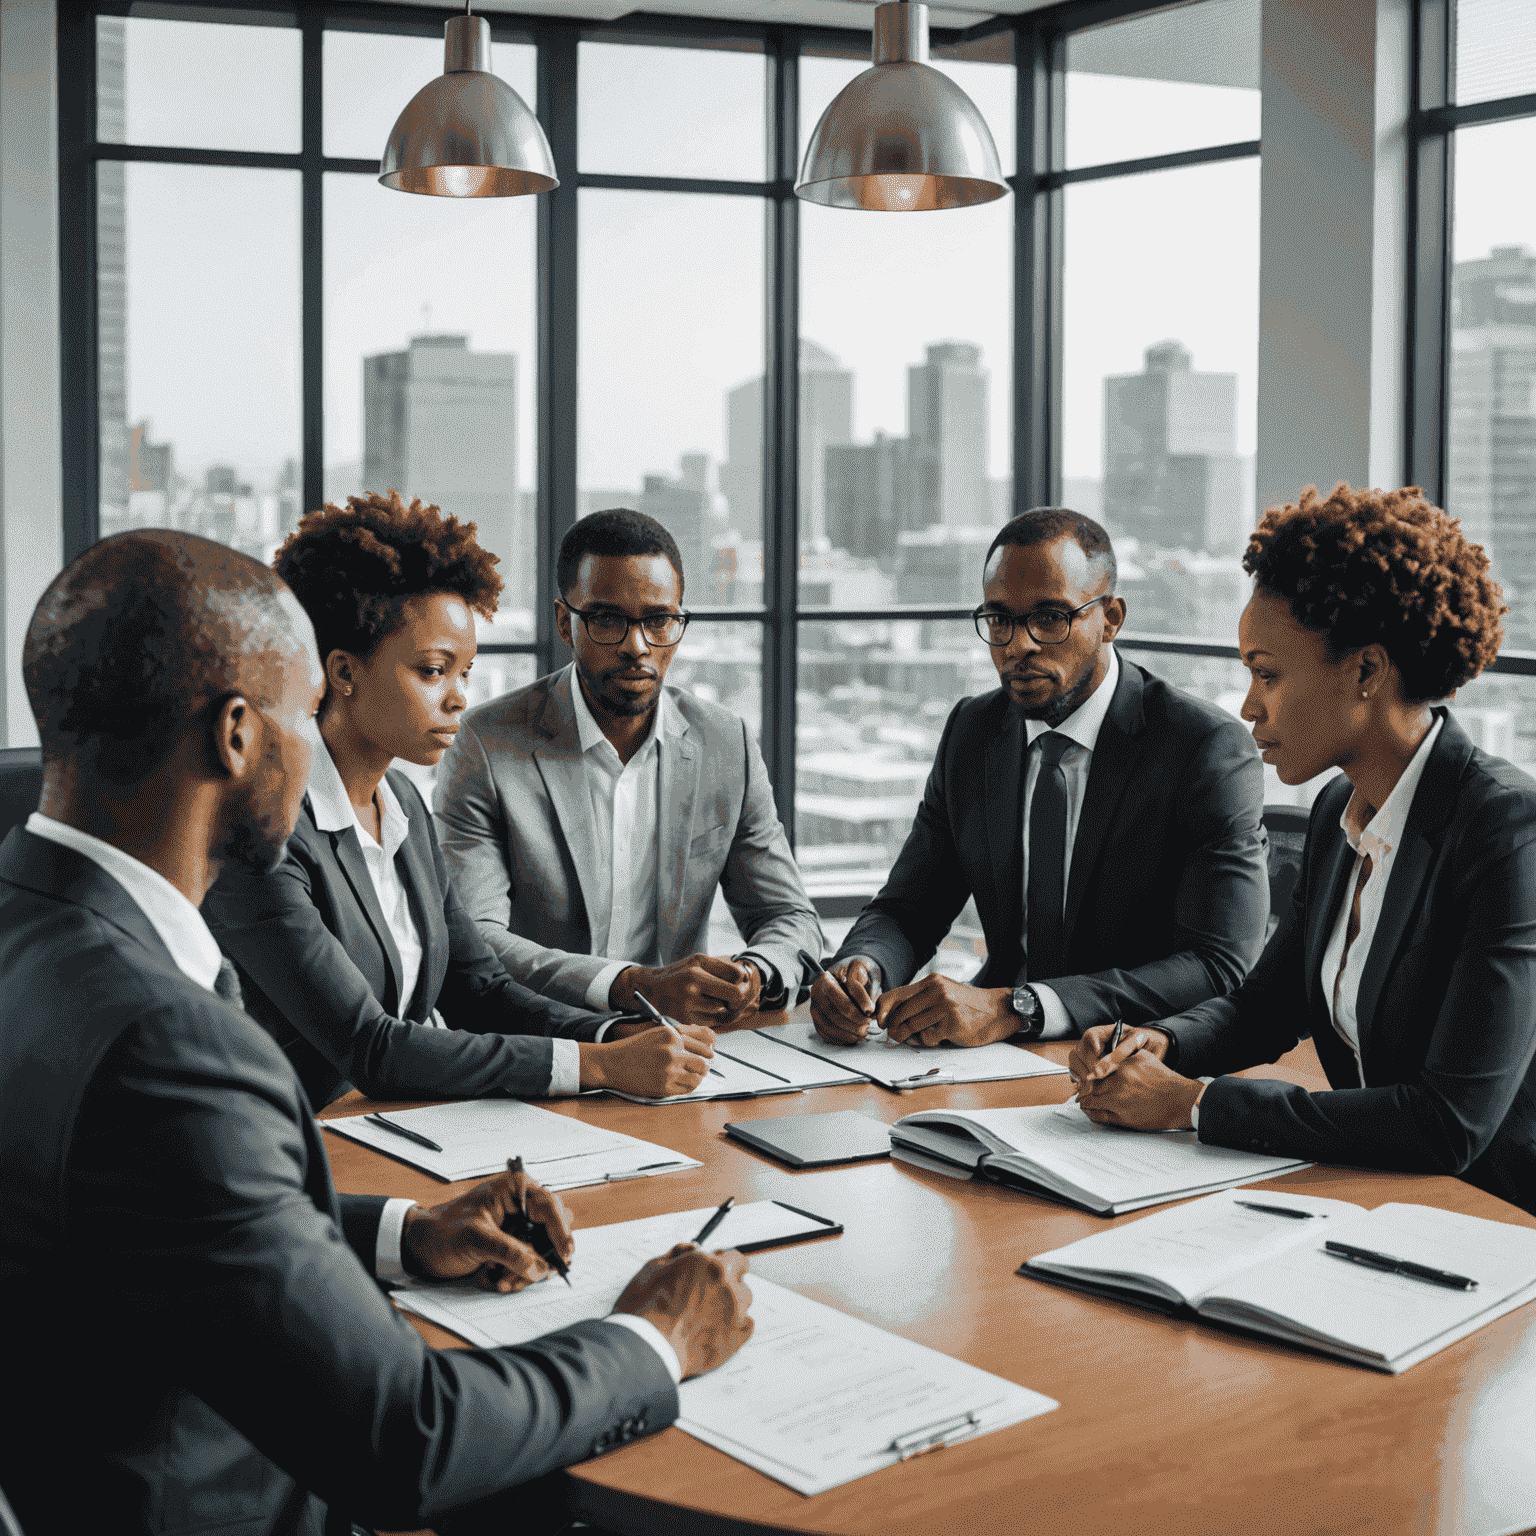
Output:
x=607 y=627
x=1046 y=626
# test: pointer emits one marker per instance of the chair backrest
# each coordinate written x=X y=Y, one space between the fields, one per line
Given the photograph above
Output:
x=1287 y=829
x=21 y=786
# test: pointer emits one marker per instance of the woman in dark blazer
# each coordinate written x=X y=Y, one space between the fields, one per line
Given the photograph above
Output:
x=1408 y=951
x=355 y=952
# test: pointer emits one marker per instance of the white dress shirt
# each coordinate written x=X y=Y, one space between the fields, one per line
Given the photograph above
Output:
x=1379 y=839
x=197 y=956
x=1082 y=726
x=334 y=812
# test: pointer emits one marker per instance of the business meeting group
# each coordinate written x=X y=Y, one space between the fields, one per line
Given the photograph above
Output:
x=292 y=935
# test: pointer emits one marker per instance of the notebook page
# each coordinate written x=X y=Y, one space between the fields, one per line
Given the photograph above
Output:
x=782 y=1062
x=887 y=1062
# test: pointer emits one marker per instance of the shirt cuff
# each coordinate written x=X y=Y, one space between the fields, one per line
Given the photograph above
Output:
x=386 y=1251
x=773 y=983
x=564 y=1069
x=597 y=993
x=652 y=1336
x=1194 y=1109
x=1057 y=1023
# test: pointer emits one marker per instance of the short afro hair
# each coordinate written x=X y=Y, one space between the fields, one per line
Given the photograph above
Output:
x=618 y=531
x=138 y=635
x=1384 y=568
x=1043 y=525
x=354 y=568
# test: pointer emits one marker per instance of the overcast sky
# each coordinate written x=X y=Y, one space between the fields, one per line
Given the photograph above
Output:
x=671 y=306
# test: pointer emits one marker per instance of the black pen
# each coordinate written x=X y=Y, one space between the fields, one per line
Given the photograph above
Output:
x=1387 y=1263
x=534 y=1233
x=1276 y=1210
x=1115 y=1042
x=806 y=958
x=647 y=1006
x=715 y=1220
x=406 y=1131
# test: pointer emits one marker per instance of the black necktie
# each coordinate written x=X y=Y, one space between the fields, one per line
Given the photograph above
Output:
x=1045 y=939
x=227 y=984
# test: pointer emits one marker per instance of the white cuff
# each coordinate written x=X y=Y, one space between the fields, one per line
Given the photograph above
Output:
x=652 y=1336
x=602 y=1031
x=386 y=1251
x=1058 y=1022
x=565 y=1069
x=1194 y=1109
x=602 y=983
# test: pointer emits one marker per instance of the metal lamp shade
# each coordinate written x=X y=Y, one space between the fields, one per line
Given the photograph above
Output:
x=468 y=133
x=902 y=137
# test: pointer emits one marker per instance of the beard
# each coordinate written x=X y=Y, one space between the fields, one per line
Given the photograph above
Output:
x=614 y=700
x=256 y=832
x=1055 y=710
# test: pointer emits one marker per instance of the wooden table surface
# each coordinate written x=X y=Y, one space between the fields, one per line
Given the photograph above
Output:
x=1164 y=1426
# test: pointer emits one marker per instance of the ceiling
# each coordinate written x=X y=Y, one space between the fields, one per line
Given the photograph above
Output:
x=813 y=13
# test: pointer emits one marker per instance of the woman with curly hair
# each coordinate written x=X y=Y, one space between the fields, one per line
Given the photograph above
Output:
x=1408 y=951
x=355 y=952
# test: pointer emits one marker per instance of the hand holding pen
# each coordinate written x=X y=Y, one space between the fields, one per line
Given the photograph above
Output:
x=843 y=999
x=520 y=1222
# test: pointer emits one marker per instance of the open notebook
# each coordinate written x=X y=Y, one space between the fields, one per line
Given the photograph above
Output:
x=1269 y=1273
x=747 y=1064
x=1058 y=1152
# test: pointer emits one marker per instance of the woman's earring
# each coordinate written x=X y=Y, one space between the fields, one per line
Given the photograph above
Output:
x=347 y=691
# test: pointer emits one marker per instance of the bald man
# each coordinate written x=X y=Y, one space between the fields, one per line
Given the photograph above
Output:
x=206 y=1345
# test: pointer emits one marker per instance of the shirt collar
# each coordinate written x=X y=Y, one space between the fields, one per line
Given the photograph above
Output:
x=334 y=812
x=1085 y=722
x=590 y=734
x=179 y=924
x=1384 y=831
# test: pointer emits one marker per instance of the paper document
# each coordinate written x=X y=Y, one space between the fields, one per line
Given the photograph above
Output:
x=814 y=1399
x=606 y=1260
x=915 y=1066
x=479 y=1135
x=746 y=1066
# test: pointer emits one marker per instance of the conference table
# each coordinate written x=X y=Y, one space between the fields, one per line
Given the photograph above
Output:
x=1164 y=1425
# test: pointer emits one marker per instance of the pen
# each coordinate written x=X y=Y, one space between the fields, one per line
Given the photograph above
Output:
x=919 y=1077
x=404 y=1130
x=715 y=1220
x=640 y=1172
x=649 y=1007
x=1115 y=1042
x=1385 y=1261
x=534 y=1233
x=806 y=958
x=1276 y=1210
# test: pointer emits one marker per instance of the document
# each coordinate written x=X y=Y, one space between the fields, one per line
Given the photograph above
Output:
x=814 y=1399
x=903 y=1065
x=479 y=1135
x=1101 y=1168
x=747 y=1066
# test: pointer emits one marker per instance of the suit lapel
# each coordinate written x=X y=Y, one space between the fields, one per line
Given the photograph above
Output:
x=677 y=790
x=349 y=855
x=1114 y=761
x=1004 y=771
x=421 y=890
x=559 y=761
x=1329 y=888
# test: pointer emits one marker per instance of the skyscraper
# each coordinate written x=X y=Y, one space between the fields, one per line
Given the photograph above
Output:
x=869 y=495
x=947 y=428
x=440 y=422
x=826 y=418
x=1491 y=479
x=112 y=276
x=1172 y=479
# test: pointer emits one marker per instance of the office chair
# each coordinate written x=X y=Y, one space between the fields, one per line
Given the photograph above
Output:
x=1286 y=826
x=21 y=786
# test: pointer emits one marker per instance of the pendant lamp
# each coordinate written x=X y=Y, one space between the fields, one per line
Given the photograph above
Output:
x=468 y=133
x=902 y=137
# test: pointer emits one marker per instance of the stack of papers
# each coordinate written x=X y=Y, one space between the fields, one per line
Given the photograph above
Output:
x=748 y=1065
x=1253 y=1267
x=1057 y=1151
x=814 y=1399
x=479 y=1135
x=883 y=1061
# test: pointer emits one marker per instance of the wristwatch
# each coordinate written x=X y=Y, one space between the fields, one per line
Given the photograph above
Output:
x=1026 y=1003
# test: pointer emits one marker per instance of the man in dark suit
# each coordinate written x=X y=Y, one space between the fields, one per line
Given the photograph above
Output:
x=1107 y=825
x=207 y=1346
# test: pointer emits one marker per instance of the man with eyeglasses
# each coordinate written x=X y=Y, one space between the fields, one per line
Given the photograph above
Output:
x=1107 y=825
x=589 y=818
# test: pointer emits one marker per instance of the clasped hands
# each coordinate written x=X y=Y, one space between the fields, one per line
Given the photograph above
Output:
x=698 y=1301
x=1131 y=1086
x=928 y=1012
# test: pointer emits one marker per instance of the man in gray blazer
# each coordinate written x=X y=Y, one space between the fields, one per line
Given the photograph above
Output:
x=588 y=818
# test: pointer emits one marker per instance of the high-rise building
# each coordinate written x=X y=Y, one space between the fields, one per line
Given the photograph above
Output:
x=826 y=419
x=440 y=422
x=869 y=495
x=1172 y=478
x=1491 y=479
x=112 y=276
x=690 y=510
x=947 y=429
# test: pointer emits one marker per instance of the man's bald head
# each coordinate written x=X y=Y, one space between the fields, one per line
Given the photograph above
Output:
x=144 y=632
